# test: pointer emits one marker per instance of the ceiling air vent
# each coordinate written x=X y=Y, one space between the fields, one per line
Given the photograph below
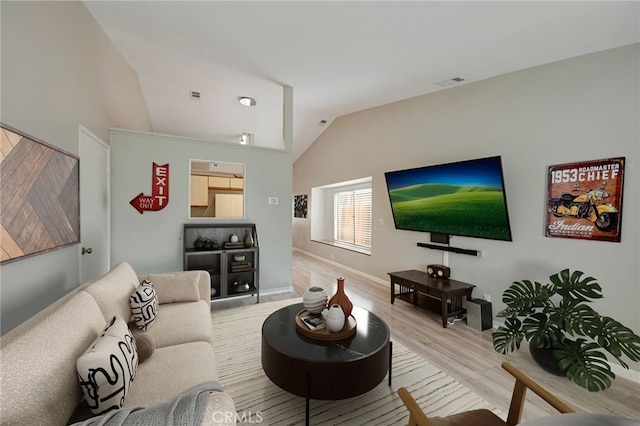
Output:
x=195 y=95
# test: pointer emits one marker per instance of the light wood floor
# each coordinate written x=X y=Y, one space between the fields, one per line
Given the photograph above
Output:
x=460 y=351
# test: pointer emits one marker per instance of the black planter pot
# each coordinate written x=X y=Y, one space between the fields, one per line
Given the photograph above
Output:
x=545 y=359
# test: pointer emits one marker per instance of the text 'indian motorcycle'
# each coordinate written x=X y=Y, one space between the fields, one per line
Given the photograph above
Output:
x=589 y=205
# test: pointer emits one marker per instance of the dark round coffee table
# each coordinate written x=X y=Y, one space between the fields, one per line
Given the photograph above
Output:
x=325 y=370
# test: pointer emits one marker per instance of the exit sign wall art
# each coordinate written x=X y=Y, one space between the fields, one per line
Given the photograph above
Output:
x=159 y=197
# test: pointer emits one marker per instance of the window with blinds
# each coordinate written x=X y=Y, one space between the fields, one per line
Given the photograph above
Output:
x=353 y=217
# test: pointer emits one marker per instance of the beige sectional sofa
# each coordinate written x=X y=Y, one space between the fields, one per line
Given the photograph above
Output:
x=38 y=377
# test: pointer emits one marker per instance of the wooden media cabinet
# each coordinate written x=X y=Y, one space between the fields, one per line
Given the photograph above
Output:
x=414 y=285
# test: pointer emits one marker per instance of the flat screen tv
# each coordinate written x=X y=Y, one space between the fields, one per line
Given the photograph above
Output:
x=465 y=198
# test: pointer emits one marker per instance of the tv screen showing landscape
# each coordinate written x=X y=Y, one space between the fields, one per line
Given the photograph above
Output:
x=465 y=198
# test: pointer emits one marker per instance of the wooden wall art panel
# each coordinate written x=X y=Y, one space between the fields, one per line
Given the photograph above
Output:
x=39 y=196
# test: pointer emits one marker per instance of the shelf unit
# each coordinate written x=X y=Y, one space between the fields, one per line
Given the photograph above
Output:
x=229 y=275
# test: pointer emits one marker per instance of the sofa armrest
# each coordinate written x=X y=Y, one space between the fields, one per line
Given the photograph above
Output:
x=220 y=410
x=181 y=286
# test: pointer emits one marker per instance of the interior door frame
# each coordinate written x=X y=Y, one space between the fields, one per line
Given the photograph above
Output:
x=83 y=133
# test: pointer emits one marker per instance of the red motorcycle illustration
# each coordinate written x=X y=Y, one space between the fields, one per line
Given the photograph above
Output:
x=589 y=205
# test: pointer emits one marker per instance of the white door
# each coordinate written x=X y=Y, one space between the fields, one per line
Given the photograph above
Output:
x=94 y=206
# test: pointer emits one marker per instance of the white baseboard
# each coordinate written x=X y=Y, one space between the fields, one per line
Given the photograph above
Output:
x=355 y=271
x=620 y=371
x=276 y=291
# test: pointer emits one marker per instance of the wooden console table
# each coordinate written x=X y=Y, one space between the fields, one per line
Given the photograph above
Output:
x=448 y=292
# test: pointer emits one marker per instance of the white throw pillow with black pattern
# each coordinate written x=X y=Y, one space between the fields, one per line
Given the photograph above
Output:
x=107 y=369
x=144 y=305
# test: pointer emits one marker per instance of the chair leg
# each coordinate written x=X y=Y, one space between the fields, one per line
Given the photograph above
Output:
x=517 y=403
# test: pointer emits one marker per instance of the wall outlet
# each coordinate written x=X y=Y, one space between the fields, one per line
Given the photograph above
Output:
x=273 y=200
x=381 y=222
x=331 y=256
x=487 y=297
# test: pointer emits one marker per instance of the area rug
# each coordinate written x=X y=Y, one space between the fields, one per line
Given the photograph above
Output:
x=237 y=333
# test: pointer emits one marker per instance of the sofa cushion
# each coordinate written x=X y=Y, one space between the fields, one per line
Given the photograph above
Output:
x=38 y=375
x=170 y=371
x=179 y=323
x=113 y=289
x=107 y=369
x=144 y=305
x=176 y=286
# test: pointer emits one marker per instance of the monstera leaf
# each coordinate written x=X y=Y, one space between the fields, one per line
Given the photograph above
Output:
x=576 y=318
x=541 y=332
x=522 y=297
x=571 y=286
x=507 y=338
x=585 y=364
x=618 y=340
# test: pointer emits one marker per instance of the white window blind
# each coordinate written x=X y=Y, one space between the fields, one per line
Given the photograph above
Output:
x=353 y=217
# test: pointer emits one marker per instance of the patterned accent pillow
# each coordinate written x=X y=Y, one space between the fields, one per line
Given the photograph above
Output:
x=144 y=305
x=107 y=369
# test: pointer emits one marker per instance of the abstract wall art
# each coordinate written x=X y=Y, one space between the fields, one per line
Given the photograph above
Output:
x=300 y=206
x=39 y=196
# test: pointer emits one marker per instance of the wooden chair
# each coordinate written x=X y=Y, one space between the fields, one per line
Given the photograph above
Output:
x=485 y=417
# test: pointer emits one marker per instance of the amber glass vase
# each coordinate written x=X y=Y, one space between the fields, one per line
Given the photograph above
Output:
x=340 y=298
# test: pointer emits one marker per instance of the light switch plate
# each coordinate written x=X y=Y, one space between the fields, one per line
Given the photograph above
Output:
x=273 y=200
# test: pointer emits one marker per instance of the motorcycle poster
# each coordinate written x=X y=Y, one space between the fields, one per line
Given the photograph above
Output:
x=584 y=200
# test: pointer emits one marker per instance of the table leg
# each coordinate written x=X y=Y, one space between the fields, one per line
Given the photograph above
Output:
x=390 y=360
x=393 y=291
x=306 y=417
x=444 y=310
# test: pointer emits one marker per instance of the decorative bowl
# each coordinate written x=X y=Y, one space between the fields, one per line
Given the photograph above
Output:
x=238 y=258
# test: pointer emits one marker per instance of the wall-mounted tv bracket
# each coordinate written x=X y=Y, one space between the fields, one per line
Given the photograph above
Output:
x=444 y=239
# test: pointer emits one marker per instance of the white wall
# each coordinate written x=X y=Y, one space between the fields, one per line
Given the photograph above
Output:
x=584 y=108
x=152 y=241
x=59 y=70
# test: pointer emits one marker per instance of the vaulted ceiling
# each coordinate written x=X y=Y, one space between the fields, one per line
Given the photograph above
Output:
x=339 y=56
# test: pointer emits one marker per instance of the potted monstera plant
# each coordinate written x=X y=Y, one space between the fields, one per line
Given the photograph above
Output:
x=557 y=317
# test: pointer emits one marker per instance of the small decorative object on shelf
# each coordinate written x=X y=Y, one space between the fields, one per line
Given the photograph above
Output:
x=199 y=243
x=240 y=287
x=234 y=238
x=248 y=239
x=315 y=300
x=334 y=316
x=340 y=298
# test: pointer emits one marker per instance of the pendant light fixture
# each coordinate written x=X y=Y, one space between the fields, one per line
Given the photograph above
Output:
x=248 y=120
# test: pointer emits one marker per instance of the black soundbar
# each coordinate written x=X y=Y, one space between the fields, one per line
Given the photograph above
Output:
x=449 y=248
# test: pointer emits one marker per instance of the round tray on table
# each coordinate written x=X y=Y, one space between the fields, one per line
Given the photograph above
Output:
x=324 y=334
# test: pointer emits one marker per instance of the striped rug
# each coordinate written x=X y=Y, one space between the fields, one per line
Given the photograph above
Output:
x=237 y=335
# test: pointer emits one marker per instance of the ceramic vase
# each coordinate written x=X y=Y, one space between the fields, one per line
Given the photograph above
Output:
x=248 y=240
x=334 y=316
x=234 y=238
x=340 y=298
x=315 y=300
